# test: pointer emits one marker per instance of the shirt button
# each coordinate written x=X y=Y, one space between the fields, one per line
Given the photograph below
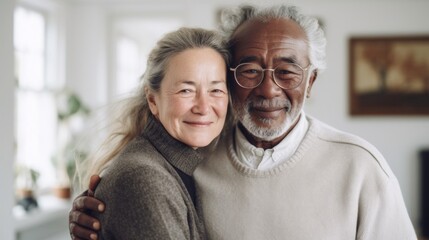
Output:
x=259 y=152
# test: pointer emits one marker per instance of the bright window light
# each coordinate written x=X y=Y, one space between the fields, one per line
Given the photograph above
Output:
x=134 y=39
x=29 y=41
x=36 y=117
x=127 y=53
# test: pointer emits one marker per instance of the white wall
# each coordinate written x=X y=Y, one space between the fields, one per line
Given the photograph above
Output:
x=6 y=119
x=86 y=70
x=398 y=138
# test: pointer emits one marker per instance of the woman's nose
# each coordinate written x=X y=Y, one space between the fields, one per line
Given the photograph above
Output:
x=201 y=105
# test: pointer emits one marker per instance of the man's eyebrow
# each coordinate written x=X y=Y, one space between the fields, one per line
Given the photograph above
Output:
x=290 y=59
x=248 y=59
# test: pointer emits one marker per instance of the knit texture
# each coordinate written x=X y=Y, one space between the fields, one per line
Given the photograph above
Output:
x=144 y=195
x=336 y=186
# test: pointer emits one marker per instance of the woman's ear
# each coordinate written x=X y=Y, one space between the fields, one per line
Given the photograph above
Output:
x=151 y=100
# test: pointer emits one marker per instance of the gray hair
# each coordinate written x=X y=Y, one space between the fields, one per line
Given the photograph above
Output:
x=231 y=19
x=134 y=113
x=166 y=48
x=169 y=46
x=178 y=41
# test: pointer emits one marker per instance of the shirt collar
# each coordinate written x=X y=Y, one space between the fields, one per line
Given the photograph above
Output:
x=258 y=158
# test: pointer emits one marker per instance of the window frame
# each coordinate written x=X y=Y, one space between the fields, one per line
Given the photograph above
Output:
x=53 y=79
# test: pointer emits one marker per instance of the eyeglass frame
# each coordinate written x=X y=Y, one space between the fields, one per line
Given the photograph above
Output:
x=272 y=74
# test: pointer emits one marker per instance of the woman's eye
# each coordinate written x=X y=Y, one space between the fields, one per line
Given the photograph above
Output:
x=185 y=91
x=218 y=92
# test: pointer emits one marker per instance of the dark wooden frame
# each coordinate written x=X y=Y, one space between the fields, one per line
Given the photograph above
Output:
x=389 y=75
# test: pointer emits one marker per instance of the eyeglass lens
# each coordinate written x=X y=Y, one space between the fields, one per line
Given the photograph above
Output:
x=287 y=75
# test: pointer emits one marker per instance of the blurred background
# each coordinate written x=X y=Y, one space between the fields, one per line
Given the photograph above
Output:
x=64 y=61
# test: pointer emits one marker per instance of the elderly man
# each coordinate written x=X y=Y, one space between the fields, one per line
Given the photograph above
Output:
x=280 y=174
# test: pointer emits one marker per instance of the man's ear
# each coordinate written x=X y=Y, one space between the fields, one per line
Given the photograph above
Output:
x=311 y=81
x=151 y=100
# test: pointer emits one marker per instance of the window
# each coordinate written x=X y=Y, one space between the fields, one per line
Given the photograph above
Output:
x=134 y=39
x=128 y=62
x=36 y=117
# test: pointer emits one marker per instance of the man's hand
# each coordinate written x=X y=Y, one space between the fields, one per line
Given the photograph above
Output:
x=81 y=224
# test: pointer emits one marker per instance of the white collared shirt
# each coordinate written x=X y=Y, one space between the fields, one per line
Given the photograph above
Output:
x=258 y=158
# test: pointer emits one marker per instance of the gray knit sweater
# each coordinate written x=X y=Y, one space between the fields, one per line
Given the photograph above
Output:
x=145 y=196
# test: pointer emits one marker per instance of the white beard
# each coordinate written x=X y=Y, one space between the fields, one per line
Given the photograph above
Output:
x=270 y=133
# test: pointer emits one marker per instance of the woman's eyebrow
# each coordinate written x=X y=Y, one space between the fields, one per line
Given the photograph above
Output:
x=214 y=82
x=187 y=82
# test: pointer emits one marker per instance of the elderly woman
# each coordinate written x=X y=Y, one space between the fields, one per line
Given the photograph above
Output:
x=181 y=107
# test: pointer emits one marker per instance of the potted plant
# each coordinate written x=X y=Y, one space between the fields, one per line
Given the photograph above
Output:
x=25 y=185
x=71 y=115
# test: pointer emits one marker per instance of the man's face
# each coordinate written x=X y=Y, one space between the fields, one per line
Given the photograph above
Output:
x=269 y=112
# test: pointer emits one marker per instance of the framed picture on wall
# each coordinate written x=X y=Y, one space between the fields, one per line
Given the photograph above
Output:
x=389 y=75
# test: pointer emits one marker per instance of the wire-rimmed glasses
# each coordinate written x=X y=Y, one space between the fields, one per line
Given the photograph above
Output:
x=285 y=75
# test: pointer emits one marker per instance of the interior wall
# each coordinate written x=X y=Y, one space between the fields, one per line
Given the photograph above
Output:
x=398 y=137
x=6 y=119
x=86 y=57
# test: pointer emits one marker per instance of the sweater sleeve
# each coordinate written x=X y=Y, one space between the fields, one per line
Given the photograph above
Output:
x=384 y=216
x=143 y=203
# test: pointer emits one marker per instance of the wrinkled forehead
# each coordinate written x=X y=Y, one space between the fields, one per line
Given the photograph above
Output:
x=270 y=30
x=278 y=36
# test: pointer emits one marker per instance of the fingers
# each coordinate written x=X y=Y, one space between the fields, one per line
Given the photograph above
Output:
x=83 y=220
x=85 y=203
x=78 y=233
x=93 y=183
x=81 y=225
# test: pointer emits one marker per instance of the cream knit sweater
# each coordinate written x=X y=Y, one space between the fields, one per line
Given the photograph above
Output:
x=336 y=186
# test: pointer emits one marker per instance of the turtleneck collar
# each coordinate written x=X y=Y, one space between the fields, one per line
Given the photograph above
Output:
x=178 y=154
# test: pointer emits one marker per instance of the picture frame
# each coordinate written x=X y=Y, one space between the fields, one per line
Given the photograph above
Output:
x=389 y=75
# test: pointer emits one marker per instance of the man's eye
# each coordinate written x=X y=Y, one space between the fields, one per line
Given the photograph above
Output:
x=251 y=71
x=283 y=72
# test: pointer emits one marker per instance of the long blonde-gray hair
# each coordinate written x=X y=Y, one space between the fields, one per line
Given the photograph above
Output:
x=134 y=115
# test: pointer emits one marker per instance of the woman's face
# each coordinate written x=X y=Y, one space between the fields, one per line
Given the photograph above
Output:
x=193 y=100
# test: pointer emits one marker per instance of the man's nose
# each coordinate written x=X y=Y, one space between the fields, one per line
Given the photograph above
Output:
x=268 y=87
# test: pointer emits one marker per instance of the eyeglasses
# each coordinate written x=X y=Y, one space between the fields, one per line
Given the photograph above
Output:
x=285 y=75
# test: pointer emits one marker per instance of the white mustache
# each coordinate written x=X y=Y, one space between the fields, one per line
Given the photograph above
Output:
x=270 y=103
